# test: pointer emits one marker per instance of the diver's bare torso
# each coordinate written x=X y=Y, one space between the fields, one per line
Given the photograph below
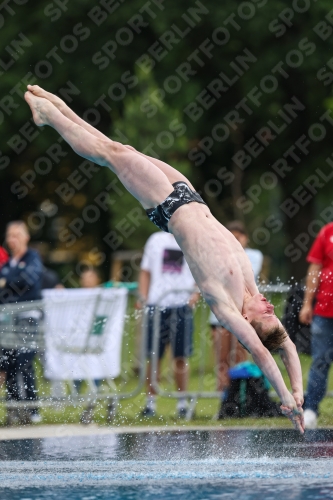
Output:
x=218 y=262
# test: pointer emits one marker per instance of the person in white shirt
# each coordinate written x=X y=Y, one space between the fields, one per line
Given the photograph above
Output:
x=166 y=282
x=228 y=350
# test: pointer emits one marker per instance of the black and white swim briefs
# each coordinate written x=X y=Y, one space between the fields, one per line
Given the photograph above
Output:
x=181 y=195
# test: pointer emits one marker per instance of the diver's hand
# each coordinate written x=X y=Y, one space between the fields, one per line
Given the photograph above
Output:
x=292 y=409
x=299 y=399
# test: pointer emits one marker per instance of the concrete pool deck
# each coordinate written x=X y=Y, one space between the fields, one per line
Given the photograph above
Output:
x=45 y=431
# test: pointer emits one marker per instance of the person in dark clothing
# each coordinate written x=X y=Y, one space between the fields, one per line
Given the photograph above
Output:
x=20 y=281
x=50 y=279
x=298 y=332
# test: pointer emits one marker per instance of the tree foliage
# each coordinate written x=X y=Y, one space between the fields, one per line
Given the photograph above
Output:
x=239 y=64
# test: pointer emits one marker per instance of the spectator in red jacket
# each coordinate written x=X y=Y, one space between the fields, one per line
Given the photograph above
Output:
x=4 y=257
x=317 y=310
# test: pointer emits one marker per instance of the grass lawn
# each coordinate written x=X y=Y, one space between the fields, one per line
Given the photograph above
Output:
x=129 y=409
x=202 y=377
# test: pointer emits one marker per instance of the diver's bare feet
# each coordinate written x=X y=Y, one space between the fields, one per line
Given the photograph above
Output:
x=41 y=109
x=55 y=100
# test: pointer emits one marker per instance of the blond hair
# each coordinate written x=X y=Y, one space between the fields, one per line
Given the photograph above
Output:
x=271 y=339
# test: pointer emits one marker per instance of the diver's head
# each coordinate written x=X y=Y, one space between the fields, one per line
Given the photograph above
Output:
x=260 y=314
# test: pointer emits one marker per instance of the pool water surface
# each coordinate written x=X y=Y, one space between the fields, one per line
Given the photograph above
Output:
x=205 y=465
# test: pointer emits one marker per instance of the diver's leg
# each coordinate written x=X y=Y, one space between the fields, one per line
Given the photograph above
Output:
x=172 y=174
x=65 y=110
x=141 y=178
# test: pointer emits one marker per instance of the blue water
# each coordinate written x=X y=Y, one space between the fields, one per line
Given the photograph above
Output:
x=228 y=465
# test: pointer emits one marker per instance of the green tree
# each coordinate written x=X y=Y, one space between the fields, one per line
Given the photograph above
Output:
x=189 y=54
x=163 y=137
